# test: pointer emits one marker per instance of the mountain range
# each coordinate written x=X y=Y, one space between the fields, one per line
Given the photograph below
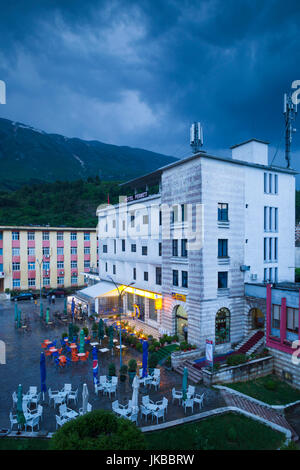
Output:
x=31 y=155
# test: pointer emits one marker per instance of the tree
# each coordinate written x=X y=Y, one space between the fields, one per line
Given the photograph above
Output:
x=98 y=430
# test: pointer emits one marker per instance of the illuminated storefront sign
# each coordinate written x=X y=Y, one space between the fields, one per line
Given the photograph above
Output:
x=181 y=297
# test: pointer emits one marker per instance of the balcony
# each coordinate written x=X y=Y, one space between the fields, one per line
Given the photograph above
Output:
x=2 y=274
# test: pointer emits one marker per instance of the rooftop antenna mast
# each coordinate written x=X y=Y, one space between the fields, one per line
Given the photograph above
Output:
x=196 y=140
x=290 y=112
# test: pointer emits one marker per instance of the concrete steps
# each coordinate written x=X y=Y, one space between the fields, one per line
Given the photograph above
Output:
x=251 y=343
x=195 y=375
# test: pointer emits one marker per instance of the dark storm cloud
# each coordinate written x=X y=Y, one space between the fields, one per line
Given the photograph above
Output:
x=138 y=73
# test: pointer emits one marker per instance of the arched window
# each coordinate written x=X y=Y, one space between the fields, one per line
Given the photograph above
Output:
x=223 y=326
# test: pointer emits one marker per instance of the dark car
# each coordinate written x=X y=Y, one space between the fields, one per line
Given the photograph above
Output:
x=24 y=296
x=56 y=292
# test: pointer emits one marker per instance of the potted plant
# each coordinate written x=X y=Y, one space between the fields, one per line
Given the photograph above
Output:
x=94 y=330
x=139 y=347
x=123 y=373
x=111 y=370
x=156 y=345
x=64 y=335
x=75 y=332
x=152 y=362
x=175 y=339
x=132 y=365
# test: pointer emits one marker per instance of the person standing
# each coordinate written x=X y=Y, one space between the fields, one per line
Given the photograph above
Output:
x=53 y=298
x=185 y=332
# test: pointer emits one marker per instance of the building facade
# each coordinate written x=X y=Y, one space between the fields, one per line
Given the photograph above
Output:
x=35 y=256
x=213 y=225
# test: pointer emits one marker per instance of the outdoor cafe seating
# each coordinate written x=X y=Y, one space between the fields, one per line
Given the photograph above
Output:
x=66 y=412
x=157 y=409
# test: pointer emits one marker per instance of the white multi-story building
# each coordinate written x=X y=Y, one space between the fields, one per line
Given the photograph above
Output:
x=186 y=251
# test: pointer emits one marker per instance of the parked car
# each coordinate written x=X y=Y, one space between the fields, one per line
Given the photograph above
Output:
x=23 y=296
x=57 y=292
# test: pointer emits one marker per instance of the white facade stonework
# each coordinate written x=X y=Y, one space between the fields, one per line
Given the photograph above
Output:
x=197 y=186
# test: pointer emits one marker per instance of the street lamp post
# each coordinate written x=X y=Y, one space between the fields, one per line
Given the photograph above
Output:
x=119 y=308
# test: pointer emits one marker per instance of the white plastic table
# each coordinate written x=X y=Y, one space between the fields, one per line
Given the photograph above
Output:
x=103 y=350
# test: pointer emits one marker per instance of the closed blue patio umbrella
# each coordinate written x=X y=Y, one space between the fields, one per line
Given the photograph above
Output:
x=145 y=358
x=184 y=383
x=65 y=306
x=43 y=374
x=16 y=311
x=101 y=330
x=95 y=365
x=73 y=307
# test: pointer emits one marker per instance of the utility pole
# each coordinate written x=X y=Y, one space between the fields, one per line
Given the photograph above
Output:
x=290 y=112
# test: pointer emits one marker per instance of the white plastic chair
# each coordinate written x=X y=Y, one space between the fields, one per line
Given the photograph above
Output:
x=32 y=390
x=188 y=403
x=52 y=394
x=100 y=386
x=176 y=395
x=163 y=404
x=13 y=420
x=191 y=391
x=67 y=388
x=73 y=395
x=146 y=401
x=34 y=421
x=36 y=398
x=59 y=399
x=159 y=414
x=155 y=382
x=133 y=416
x=199 y=399
x=145 y=411
x=110 y=389
x=60 y=421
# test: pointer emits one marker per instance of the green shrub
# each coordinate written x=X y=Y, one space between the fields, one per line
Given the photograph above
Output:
x=168 y=362
x=124 y=369
x=112 y=370
x=271 y=385
x=76 y=329
x=132 y=365
x=183 y=345
x=156 y=344
x=64 y=335
x=94 y=326
x=176 y=338
x=151 y=348
x=86 y=331
x=236 y=359
x=153 y=360
x=98 y=430
x=139 y=347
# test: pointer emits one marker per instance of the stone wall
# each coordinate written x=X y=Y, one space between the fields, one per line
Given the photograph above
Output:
x=179 y=357
x=285 y=369
x=241 y=373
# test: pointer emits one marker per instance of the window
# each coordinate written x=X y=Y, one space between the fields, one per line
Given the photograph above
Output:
x=15 y=235
x=46 y=281
x=16 y=251
x=46 y=236
x=1 y=253
x=292 y=319
x=123 y=245
x=183 y=213
x=222 y=280
x=16 y=266
x=265 y=182
x=134 y=273
x=133 y=248
x=145 y=219
x=222 y=326
x=46 y=251
x=1 y=235
x=31 y=281
x=86 y=263
x=175 y=277
x=73 y=250
x=158 y=276
x=174 y=247
x=87 y=250
x=73 y=236
x=30 y=235
x=276 y=316
x=222 y=212
x=132 y=218
x=123 y=225
x=265 y=219
x=144 y=250
x=276 y=184
x=270 y=183
x=184 y=252
x=86 y=236
x=60 y=280
x=73 y=264
x=60 y=251
x=159 y=249
x=114 y=224
x=60 y=235
x=174 y=215
x=115 y=246
x=160 y=217
x=276 y=220
x=146 y=276
x=73 y=280
x=31 y=266
x=222 y=248
x=105 y=267
x=114 y=269
x=152 y=310
x=184 y=279
x=16 y=283
x=60 y=265
x=46 y=265
x=104 y=248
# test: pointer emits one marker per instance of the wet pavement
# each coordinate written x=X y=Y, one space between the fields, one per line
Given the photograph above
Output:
x=23 y=367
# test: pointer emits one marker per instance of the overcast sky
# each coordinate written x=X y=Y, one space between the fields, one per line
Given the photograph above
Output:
x=139 y=73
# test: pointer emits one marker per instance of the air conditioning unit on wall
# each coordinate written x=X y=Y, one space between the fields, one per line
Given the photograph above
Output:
x=253 y=277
